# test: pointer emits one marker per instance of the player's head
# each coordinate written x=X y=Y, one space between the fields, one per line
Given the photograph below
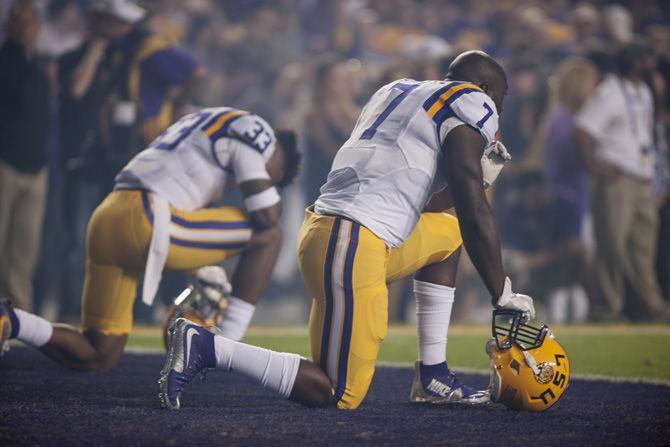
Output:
x=480 y=69
x=284 y=164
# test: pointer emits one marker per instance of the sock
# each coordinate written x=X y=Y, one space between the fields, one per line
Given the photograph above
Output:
x=236 y=318
x=30 y=329
x=433 y=311
x=275 y=371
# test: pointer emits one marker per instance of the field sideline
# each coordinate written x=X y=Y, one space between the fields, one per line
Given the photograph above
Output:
x=621 y=351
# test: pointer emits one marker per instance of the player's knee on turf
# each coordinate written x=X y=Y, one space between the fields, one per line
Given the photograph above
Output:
x=108 y=350
x=312 y=386
x=351 y=402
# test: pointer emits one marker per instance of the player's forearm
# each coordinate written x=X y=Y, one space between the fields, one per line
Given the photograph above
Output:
x=440 y=202
x=482 y=242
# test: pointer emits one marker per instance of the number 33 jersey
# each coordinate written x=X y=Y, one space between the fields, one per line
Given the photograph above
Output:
x=201 y=156
x=384 y=175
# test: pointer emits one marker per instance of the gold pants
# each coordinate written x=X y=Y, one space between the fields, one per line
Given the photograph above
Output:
x=117 y=243
x=346 y=268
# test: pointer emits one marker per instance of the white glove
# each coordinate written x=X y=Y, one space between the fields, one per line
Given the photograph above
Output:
x=493 y=160
x=516 y=301
x=214 y=281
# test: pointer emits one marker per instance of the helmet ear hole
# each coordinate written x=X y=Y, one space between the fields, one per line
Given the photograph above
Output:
x=514 y=366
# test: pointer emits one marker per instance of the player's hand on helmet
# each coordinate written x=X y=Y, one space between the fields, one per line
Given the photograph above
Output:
x=516 y=301
x=214 y=281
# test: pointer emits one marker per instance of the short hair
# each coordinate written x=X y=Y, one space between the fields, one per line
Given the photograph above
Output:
x=568 y=83
x=631 y=52
x=476 y=66
x=292 y=156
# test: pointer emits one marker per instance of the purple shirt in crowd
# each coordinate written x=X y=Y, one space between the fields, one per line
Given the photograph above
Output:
x=566 y=178
x=160 y=72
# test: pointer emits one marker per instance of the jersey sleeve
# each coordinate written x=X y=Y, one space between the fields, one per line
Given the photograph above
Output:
x=245 y=162
x=476 y=109
x=256 y=133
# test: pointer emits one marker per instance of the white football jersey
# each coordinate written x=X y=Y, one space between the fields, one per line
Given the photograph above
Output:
x=202 y=156
x=385 y=174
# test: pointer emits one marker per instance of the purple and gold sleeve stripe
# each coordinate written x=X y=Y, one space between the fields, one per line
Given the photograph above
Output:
x=437 y=106
x=218 y=126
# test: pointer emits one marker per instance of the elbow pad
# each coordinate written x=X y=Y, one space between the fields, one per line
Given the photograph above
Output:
x=494 y=159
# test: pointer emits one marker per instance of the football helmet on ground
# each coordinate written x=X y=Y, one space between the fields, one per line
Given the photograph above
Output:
x=203 y=301
x=529 y=368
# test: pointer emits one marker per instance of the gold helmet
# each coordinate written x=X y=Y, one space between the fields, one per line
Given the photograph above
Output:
x=529 y=368
x=203 y=301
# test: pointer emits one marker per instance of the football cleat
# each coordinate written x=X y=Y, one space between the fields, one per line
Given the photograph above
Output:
x=436 y=384
x=5 y=325
x=190 y=351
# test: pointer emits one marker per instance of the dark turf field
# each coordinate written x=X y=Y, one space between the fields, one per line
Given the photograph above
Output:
x=43 y=404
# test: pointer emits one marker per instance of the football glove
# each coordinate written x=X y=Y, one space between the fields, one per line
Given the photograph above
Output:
x=494 y=159
x=516 y=301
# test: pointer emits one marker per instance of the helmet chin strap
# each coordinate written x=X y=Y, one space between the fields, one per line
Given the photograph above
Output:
x=530 y=361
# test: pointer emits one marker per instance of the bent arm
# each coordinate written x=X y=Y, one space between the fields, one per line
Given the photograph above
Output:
x=463 y=148
x=261 y=193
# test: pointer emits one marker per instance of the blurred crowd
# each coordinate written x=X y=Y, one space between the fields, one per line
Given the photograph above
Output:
x=582 y=207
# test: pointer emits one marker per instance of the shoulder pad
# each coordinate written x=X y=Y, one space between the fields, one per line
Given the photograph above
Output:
x=466 y=102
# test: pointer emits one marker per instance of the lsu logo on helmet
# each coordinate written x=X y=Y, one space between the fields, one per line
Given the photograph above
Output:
x=529 y=369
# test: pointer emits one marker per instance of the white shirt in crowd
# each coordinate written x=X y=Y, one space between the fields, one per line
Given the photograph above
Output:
x=620 y=118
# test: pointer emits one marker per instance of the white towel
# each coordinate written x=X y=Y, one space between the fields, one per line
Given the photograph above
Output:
x=158 y=250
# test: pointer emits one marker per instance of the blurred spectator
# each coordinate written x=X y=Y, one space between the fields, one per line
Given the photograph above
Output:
x=658 y=81
x=119 y=90
x=618 y=23
x=586 y=23
x=261 y=56
x=615 y=136
x=565 y=176
x=62 y=30
x=543 y=254
x=330 y=120
x=24 y=123
x=523 y=111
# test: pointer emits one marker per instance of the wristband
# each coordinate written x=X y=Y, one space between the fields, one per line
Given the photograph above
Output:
x=264 y=199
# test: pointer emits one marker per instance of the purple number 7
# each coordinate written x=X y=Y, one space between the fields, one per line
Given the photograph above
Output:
x=489 y=112
x=405 y=89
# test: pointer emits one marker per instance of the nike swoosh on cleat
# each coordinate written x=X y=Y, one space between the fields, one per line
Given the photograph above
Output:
x=189 y=336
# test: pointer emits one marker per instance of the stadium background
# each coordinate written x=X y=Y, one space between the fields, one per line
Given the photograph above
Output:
x=311 y=65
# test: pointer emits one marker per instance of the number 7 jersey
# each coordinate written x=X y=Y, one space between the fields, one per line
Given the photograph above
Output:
x=385 y=174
